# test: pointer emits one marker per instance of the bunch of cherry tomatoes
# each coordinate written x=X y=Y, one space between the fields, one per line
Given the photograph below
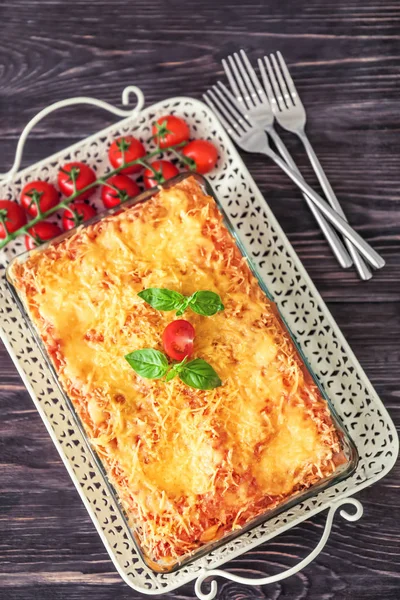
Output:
x=200 y=155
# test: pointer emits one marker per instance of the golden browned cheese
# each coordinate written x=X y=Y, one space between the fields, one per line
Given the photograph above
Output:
x=188 y=465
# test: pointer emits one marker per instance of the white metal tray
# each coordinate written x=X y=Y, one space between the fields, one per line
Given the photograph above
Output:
x=325 y=347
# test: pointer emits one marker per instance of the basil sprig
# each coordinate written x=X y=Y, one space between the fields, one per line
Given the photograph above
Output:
x=203 y=302
x=153 y=364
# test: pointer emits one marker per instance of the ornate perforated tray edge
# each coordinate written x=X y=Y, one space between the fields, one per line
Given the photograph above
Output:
x=321 y=340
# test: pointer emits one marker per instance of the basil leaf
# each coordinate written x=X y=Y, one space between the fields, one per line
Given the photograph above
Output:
x=206 y=303
x=200 y=375
x=148 y=363
x=162 y=299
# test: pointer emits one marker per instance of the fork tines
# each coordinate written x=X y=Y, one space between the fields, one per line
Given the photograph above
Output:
x=243 y=80
x=228 y=110
x=280 y=88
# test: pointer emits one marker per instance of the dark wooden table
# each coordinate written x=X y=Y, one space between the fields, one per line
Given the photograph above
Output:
x=346 y=60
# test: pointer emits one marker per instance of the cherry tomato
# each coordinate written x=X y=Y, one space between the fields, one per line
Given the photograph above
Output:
x=118 y=189
x=84 y=213
x=204 y=154
x=178 y=339
x=124 y=150
x=38 y=191
x=170 y=130
x=164 y=170
x=13 y=215
x=81 y=174
x=41 y=232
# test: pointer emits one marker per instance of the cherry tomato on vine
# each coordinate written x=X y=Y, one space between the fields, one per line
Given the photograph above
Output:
x=84 y=212
x=204 y=154
x=118 y=189
x=13 y=215
x=75 y=176
x=164 y=169
x=178 y=339
x=41 y=232
x=38 y=192
x=126 y=149
x=170 y=130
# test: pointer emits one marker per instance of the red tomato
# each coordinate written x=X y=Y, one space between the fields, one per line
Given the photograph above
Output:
x=13 y=215
x=38 y=191
x=178 y=339
x=164 y=170
x=124 y=150
x=170 y=130
x=41 y=232
x=119 y=188
x=71 y=220
x=81 y=174
x=204 y=154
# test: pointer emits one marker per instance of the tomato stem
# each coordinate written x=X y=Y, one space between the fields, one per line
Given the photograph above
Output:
x=184 y=159
x=76 y=217
x=157 y=174
x=31 y=235
x=73 y=176
x=35 y=195
x=161 y=131
x=64 y=203
x=141 y=161
x=123 y=146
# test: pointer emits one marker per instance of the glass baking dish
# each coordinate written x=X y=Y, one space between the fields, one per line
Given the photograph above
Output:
x=349 y=450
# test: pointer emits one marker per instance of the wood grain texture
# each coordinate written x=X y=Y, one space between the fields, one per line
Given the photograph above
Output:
x=345 y=58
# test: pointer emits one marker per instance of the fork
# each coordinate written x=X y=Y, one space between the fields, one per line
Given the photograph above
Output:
x=291 y=115
x=248 y=135
x=250 y=93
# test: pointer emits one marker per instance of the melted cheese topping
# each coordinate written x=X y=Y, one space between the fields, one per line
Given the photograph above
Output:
x=188 y=465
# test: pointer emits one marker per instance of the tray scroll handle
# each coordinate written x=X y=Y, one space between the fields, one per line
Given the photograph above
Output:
x=131 y=112
x=205 y=574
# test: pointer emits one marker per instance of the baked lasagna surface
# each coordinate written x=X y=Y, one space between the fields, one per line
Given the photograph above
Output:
x=188 y=465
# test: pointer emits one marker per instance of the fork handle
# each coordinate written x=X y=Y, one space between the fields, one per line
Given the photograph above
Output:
x=330 y=234
x=362 y=246
x=363 y=270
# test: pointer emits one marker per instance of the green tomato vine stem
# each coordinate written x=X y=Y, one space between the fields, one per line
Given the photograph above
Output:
x=66 y=201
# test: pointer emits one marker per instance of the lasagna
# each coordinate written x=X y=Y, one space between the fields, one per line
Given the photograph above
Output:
x=189 y=466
